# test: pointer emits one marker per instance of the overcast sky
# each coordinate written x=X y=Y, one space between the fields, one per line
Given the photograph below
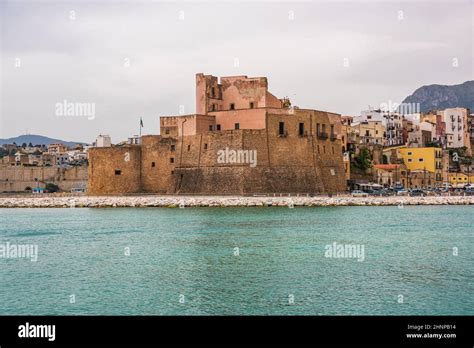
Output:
x=140 y=58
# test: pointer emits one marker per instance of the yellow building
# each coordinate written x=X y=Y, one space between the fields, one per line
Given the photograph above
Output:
x=424 y=159
x=460 y=179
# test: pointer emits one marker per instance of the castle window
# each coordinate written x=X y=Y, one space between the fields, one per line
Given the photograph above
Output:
x=301 y=129
x=118 y=172
x=318 y=149
x=281 y=128
x=252 y=105
x=232 y=106
x=323 y=128
x=214 y=108
x=317 y=129
x=210 y=128
x=189 y=147
x=172 y=147
x=332 y=130
x=324 y=148
x=237 y=126
x=213 y=92
x=152 y=164
x=171 y=159
x=205 y=146
x=218 y=127
x=167 y=131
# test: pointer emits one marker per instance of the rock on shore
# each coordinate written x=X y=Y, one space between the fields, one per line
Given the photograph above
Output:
x=222 y=201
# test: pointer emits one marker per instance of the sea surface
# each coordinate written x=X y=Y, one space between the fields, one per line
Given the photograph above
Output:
x=418 y=260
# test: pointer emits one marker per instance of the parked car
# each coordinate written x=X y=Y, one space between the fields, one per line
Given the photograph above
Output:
x=417 y=192
x=402 y=192
x=359 y=193
x=371 y=192
x=469 y=192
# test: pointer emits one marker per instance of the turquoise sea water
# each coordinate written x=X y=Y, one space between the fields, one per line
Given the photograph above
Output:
x=183 y=262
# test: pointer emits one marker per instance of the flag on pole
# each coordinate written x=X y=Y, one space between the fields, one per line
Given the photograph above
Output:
x=141 y=122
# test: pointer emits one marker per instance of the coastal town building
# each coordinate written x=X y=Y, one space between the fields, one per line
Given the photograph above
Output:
x=103 y=141
x=457 y=128
x=241 y=140
x=54 y=149
x=394 y=129
x=370 y=132
x=458 y=180
x=429 y=161
x=388 y=175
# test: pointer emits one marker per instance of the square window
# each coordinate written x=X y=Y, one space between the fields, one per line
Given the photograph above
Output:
x=232 y=106
x=118 y=172
x=237 y=126
x=152 y=164
x=173 y=147
x=251 y=105
x=171 y=159
x=205 y=146
x=218 y=127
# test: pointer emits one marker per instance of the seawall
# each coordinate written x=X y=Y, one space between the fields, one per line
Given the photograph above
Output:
x=223 y=201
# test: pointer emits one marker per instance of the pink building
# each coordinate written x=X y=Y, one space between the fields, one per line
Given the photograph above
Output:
x=236 y=100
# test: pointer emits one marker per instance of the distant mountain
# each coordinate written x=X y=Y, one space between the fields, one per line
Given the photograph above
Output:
x=37 y=140
x=434 y=97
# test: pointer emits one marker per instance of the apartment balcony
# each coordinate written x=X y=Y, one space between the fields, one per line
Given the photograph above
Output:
x=323 y=135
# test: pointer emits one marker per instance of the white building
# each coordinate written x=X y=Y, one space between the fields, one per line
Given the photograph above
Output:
x=371 y=115
x=456 y=127
x=103 y=141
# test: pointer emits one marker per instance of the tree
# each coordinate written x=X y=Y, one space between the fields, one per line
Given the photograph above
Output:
x=363 y=160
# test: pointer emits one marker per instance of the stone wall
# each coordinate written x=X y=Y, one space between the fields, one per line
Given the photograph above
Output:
x=18 y=178
x=114 y=170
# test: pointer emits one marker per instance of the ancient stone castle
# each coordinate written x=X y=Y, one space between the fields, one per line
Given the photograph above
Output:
x=242 y=140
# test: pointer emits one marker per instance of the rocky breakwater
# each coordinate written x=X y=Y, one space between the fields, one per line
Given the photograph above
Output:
x=222 y=201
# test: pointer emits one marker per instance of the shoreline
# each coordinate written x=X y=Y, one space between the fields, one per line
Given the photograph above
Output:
x=223 y=201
